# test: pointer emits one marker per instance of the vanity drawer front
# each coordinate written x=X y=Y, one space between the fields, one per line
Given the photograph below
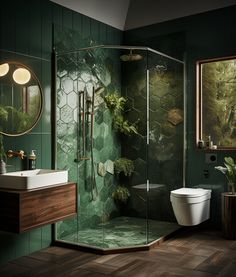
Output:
x=21 y=211
x=43 y=207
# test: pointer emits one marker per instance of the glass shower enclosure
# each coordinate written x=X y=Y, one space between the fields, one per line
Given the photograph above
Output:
x=120 y=133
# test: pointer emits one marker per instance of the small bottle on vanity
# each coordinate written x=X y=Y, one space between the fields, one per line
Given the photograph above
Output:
x=32 y=160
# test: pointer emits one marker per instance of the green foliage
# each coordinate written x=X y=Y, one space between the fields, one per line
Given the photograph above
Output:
x=125 y=166
x=22 y=121
x=115 y=103
x=121 y=194
x=124 y=126
x=3 y=114
x=229 y=171
x=219 y=101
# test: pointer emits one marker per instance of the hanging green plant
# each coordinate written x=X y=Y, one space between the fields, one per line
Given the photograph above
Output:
x=125 y=166
x=124 y=126
x=115 y=103
x=121 y=194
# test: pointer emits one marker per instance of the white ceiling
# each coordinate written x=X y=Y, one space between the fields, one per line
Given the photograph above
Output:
x=129 y=14
x=111 y=12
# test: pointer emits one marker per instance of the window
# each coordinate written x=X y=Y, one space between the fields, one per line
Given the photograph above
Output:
x=216 y=103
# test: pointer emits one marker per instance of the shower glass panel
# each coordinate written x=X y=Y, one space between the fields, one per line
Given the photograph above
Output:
x=120 y=123
x=166 y=140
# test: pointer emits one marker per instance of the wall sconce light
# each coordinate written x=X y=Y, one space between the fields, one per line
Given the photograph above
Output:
x=21 y=76
x=4 y=68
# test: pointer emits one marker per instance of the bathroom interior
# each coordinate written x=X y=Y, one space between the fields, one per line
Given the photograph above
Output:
x=115 y=111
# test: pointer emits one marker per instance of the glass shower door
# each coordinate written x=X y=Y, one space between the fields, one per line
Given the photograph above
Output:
x=166 y=141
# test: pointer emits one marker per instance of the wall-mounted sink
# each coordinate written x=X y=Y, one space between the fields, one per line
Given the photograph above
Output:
x=30 y=179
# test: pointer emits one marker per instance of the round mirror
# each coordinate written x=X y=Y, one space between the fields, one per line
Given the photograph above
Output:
x=21 y=99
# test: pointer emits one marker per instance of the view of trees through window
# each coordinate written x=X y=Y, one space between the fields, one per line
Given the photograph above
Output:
x=218 y=99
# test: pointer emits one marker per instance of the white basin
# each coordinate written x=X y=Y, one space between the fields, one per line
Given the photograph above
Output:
x=30 y=179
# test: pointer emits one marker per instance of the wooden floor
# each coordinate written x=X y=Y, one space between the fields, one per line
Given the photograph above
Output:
x=191 y=253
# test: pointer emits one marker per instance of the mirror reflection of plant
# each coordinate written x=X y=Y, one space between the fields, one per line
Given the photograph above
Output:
x=21 y=120
x=116 y=104
x=125 y=166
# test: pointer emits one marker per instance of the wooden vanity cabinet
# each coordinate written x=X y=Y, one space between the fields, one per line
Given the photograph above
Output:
x=23 y=210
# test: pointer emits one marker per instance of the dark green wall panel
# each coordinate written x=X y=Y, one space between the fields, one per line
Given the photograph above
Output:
x=77 y=22
x=35 y=29
x=85 y=26
x=67 y=18
x=26 y=27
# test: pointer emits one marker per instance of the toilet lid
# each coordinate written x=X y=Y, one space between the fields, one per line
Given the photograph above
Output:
x=190 y=192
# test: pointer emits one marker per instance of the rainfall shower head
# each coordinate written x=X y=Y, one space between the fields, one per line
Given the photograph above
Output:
x=131 y=57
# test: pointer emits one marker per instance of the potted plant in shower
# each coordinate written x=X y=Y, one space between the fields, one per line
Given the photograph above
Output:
x=229 y=199
x=121 y=194
x=123 y=168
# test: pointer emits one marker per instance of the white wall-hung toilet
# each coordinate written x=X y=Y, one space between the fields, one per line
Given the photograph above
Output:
x=191 y=205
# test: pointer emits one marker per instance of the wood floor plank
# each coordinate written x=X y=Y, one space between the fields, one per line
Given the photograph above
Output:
x=138 y=268
x=99 y=268
x=193 y=253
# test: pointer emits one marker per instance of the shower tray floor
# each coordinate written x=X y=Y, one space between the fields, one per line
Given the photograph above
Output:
x=122 y=232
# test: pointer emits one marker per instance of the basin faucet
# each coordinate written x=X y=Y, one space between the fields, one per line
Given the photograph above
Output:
x=20 y=154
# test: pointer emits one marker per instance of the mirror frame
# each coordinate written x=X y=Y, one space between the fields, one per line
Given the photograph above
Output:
x=199 y=104
x=41 y=98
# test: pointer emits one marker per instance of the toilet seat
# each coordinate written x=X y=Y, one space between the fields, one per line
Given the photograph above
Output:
x=190 y=192
x=190 y=195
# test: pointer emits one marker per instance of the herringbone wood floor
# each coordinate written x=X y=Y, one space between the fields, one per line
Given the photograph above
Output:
x=192 y=253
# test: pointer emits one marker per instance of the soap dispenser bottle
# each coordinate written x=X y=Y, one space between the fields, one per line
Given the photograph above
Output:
x=32 y=160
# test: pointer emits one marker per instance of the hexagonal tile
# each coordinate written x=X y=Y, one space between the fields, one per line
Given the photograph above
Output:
x=168 y=102
x=99 y=143
x=107 y=117
x=61 y=73
x=75 y=112
x=74 y=75
x=61 y=99
x=162 y=88
x=175 y=116
x=67 y=84
x=168 y=130
x=66 y=114
x=79 y=85
x=61 y=128
x=86 y=77
x=99 y=116
x=72 y=99
x=104 y=129
x=159 y=115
